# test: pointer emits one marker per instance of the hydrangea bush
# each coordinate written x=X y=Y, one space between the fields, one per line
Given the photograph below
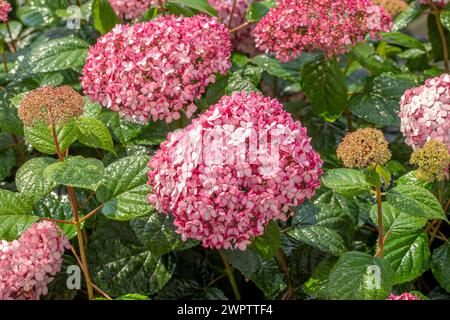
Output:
x=232 y=149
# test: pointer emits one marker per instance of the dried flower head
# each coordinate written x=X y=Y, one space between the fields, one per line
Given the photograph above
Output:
x=154 y=70
x=363 y=147
x=242 y=40
x=403 y=296
x=425 y=112
x=331 y=26
x=5 y=8
x=433 y=160
x=132 y=9
x=28 y=265
x=50 y=105
x=236 y=167
x=393 y=7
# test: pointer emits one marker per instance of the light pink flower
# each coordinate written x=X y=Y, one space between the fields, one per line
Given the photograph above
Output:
x=242 y=40
x=132 y=9
x=5 y=8
x=425 y=112
x=403 y=296
x=331 y=26
x=155 y=70
x=237 y=166
x=29 y=264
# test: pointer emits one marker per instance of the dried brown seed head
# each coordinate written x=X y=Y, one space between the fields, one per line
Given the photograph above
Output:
x=433 y=161
x=50 y=105
x=364 y=146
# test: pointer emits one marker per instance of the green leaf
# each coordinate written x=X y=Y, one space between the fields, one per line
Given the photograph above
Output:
x=94 y=133
x=395 y=221
x=406 y=16
x=411 y=179
x=30 y=178
x=41 y=138
x=365 y=54
x=435 y=38
x=408 y=254
x=440 y=265
x=104 y=16
x=265 y=274
x=120 y=264
x=200 y=5
x=403 y=40
x=326 y=86
x=345 y=181
x=246 y=79
x=268 y=244
x=36 y=16
x=55 y=55
x=14 y=203
x=273 y=67
x=317 y=285
x=7 y=163
x=319 y=237
x=416 y=201
x=9 y=120
x=13 y=225
x=157 y=233
x=129 y=205
x=257 y=10
x=123 y=175
x=76 y=172
x=379 y=102
x=445 y=19
x=355 y=277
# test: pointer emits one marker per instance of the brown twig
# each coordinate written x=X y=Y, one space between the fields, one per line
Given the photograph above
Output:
x=230 y=274
x=233 y=7
x=380 y=223
x=437 y=14
x=284 y=267
x=348 y=116
x=90 y=214
x=5 y=62
x=240 y=27
x=163 y=8
x=57 y=221
x=87 y=200
x=12 y=43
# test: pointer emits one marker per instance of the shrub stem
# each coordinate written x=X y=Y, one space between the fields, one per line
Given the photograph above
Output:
x=230 y=275
x=380 y=222
x=437 y=14
x=76 y=220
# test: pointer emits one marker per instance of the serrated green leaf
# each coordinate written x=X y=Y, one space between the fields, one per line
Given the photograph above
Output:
x=326 y=86
x=7 y=163
x=104 y=16
x=76 y=172
x=379 y=103
x=345 y=181
x=408 y=254
x=406 y=16
x=265 y=274
x=395 y=221
x=440 y=265
x=200 y=5
x=30 y=178
x=41 y=138
x=119 y=264
x=360 y=276
x=14 y=203
x=317 y=285
x=322 y=238
x=403 y=40
x=416 y=201
x=13 y=225
x=273 y=67
x=94 y=133
x=268 y=244
x=257 y=10
x=410 y=178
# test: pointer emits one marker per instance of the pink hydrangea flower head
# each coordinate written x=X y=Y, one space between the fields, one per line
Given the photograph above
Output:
x=28 y=265
x=439 y=3
x=239 y=165
x=132 y=9
x=242 y=40
x=403 y=296
x=5 y=8
x=154 y=70
x=425 y=112
x=331 y=26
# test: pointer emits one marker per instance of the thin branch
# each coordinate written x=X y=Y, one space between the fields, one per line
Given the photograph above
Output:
x=87 y=200
x=57 y=221
x=240 y=27
x=231 y=14
x=90 y=214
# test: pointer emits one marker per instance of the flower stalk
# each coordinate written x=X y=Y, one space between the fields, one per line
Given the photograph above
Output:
x=230 y=274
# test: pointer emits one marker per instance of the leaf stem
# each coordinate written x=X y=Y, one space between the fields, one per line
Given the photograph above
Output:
x=230 y=275
x=5 y=62
x=380 y=222
x=19 y=149
x=437 y=14
x=240 y=27
x=76 y=220
x=284 y=266
x=57 y=221
x=348 y=116
x=12 y=43
x=90 y=214
x=163 y=8
x=231 y=14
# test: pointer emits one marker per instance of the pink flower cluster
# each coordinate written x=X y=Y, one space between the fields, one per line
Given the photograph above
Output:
x=242 y=40
x=440 y=3
x=331 y=26
x=28 y=265
x=239 y=165
x=403 y=296
x=5 y=8
x=156 y=69
x=132 y=9
x=425 y=112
